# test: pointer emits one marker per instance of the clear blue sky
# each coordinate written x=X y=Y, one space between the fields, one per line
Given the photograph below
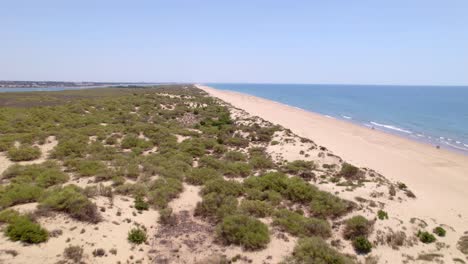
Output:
x=360 y=42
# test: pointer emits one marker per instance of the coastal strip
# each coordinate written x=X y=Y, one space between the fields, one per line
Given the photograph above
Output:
x=438 y=177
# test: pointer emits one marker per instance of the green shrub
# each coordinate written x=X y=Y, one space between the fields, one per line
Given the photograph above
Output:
x=255 y=208
x=237 y=141
x=348 y=171
x=199 y=176
x=215 y=206
x=44 y=175
x=298 y=166
x=426 y=237
x=71 y=200
x=299 y=225
x=362 y=245
x=315 y=250
x=325 y=204
x=211 y=162
x=140 y=204
x=235 y=156
x=357 y=226
x=19 y=194
x=244 y=231
x=137 y=236
x=440 y=231
x=261 y=162
x=194 y=147
x=21 y=228
x=86 y=168
x=23 y=153
x=237 y=169
x=73 y=147
x=382 y=215
x=162 y=191
x=132 y=141
x=221 y=186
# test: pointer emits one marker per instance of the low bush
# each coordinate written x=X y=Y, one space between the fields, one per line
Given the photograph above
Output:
x=382 y=215
x=260 y=162
x=440 y=231
x=43 y=175
x=211 y=162
x=244 y=231
x=237 y=169
x=221 y=186
x=140 y=204
x=23 y=153
x=315 y=250
x=86 y=168
x=325 y=205
x=194 y=147
x=22 y=228
x=215 y=206
x=19 y=194
x=137 y=236
x=348 y=171
x=426 y=237
x=235 y=156
x=71 y=200
x=73 y=147
x=132 y=141
x=73 y=253
x=298 y=166
x=357 y=226
x=162 y=191
x=199 y=176
x=362 y=245
x=299 y=225
x=255 y=208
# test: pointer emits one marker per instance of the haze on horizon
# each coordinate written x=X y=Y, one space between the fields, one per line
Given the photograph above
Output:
x=361 y=42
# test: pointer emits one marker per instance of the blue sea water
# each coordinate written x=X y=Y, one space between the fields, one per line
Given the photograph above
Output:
x=437 y=115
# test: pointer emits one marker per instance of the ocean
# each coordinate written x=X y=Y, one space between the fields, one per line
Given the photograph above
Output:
x=436 y=115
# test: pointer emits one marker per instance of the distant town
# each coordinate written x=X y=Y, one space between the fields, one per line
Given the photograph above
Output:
x=43 y=84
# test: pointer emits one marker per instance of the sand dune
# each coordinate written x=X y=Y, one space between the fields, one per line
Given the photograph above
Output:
x=438 y=177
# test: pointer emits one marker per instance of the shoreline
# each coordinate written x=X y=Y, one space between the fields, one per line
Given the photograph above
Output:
x=437 y=176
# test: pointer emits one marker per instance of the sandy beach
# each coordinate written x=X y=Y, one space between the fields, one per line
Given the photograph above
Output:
x=438 y=177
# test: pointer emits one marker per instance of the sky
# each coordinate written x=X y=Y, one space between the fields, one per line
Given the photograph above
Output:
x=414 y=42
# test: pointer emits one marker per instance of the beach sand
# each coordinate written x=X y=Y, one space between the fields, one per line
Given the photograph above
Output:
x=437 y=177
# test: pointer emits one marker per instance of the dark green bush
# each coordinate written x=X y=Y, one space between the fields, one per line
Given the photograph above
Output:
x=23 y=153
x=261 y=162
x=86 y=168
x=255 y=208
x=235 y=156
x=244 y=231
x=140 y=204
x=440 y=231
x=357 y=226
x=137 y=236
x=298 y=166
x=362 y=245
x=426 y=237
x=211 y=162
x=132 y=141
x=44 y=175
x=237 y=169
x=199 y=176
x=221 y=186
x=72 y=147
x=22 y=228
x=71 y=200
x=194 y=147
x=299 y=225
x=315 y=250
x=215 y=206
x=162 y=191
x=348 y=171
x=325 y=204
x=382 y=215
x=19 y=194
